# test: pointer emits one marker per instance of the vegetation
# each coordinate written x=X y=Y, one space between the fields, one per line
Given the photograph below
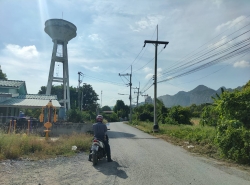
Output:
x=224 y=125
x=106 y=108
x=174 y=115
x=87 y=96
x=15 y=146
x=201 y=137
x=121 y=109
x=3 y=76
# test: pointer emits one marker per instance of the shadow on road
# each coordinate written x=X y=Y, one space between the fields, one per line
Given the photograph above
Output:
x=112 y=168
x=114 y=134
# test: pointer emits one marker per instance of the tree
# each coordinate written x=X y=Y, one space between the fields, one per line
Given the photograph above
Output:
x=121 y=109
x=180 y=114
x=233 y=124
x=106 y=108
x=89 y=99
x=87 y=94
x=3 y=76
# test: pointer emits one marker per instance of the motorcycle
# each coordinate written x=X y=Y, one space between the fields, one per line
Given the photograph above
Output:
x=97 y=150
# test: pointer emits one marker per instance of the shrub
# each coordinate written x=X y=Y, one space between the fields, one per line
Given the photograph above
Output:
x=234 y=141
x=209 y=116
x=180 y=114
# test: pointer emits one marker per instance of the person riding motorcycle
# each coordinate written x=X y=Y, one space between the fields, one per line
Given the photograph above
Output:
x=100 y=132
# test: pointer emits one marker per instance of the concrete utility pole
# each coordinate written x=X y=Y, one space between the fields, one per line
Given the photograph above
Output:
x=130 y=98
x=138 y=89
x=156 y=126
x=101 y=99
x=79 y=83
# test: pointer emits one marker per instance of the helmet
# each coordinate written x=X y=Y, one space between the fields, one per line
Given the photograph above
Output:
x=99 y=118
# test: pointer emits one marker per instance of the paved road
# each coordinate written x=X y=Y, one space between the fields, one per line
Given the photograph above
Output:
x=139 y=159
x=143 y=159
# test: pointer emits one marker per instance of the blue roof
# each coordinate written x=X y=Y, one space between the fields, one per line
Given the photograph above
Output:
x=11 y=83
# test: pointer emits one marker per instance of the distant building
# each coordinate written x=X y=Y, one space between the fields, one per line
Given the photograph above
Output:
x=148 y=100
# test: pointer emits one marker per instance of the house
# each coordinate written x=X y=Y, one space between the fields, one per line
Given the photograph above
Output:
x=13 y=97
x=149 y=100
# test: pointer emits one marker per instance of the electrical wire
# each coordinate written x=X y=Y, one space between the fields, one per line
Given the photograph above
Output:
x=203 y=55
x=187 y=57
x=177 y=69
x=139 y=53
x=212 y=72
x=236 y=52
x=148 y=88
x=148 y=61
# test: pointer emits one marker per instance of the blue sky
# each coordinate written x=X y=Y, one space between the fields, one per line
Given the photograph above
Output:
x=110 y=37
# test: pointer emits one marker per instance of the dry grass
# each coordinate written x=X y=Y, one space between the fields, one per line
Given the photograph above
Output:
x=186 y=136
x=195 y=121
x=16 y=146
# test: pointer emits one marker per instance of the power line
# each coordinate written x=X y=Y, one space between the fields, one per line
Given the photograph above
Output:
x=208 y=64
x=210 y=73
x=189 y=64
x=139 y=53
x=134 y=60
x=148 y=62
x=187 y=56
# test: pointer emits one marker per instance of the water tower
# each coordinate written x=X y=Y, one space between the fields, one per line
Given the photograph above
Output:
x=61 y=32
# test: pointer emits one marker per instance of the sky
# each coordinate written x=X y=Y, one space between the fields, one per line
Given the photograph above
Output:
x=110 y=39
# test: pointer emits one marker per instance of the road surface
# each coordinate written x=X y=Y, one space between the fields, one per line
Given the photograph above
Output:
x=144 y=159
x=139 y=159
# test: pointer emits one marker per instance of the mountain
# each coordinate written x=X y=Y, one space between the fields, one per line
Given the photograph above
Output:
x=199 y=95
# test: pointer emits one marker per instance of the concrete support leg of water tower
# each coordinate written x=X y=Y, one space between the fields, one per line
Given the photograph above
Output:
x=52 y=67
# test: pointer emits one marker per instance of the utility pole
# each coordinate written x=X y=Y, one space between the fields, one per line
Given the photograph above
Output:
x=137 y=94
x=145 y=95
x=101 y=99
x=156 y=43
x=79 y=83
x=130 y=98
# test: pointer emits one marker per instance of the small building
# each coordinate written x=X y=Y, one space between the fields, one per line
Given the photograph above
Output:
x=148 y=100
x=13 y=97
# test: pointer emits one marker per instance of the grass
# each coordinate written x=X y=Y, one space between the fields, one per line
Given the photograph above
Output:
x=200 y=137
x=14 y=146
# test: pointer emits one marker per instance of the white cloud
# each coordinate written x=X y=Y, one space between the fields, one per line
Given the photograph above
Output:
x=230 y=24
x=147 y=69
x=148 y=76
x=159 y=70
x=147 y=22
x=94 y=68
x=242 y=64
x=26 y=52
x=94 y=37
x=222 y=41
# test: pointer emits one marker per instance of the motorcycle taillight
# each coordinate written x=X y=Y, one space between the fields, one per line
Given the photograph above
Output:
x=95 y=140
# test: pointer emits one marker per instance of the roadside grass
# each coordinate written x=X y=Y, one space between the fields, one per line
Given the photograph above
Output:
x=195 y=121
x=15 y=146
x=194 y=138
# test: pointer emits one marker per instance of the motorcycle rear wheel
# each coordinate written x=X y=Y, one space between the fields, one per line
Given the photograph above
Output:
x=94 y=158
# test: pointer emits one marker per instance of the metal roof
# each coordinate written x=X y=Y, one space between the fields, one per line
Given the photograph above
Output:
x=11 y=83
x=37 y=96
x=31 y=101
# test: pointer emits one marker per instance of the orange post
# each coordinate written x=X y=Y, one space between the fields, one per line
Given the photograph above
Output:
x=47 y=125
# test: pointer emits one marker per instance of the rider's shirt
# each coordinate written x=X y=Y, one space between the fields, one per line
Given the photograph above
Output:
x=100 y=130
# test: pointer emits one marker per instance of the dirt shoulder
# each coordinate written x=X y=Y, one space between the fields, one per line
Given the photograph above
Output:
x=60 y=170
